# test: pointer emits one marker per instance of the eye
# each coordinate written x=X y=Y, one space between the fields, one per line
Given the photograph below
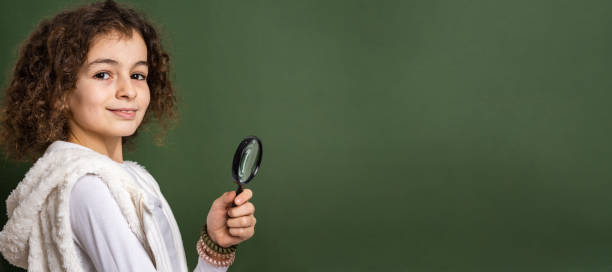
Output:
x=139 y=76
x=102 y=75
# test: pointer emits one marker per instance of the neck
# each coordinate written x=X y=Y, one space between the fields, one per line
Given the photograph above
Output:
x=109 y=146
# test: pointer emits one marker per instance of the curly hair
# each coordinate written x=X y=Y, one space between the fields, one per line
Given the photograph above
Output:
x=35 y=111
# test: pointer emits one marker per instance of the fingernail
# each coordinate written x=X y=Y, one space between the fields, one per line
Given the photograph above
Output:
x=238 y=200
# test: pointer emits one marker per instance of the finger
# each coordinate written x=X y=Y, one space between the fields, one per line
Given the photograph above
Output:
x=242 y=222
x=244 y=196
x=224 y=200
x=242 y=210
x=243 y=233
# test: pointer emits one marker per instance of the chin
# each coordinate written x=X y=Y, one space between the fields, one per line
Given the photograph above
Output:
x=130 y=133
x=125 y=129
x=125 y=132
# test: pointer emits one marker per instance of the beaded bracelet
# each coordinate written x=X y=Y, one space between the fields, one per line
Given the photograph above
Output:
x=214 y=258
x=213 y=253
x=212 y=245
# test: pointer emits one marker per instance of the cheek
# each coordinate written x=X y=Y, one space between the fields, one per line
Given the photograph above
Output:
x=145 y=99
x=85 y=105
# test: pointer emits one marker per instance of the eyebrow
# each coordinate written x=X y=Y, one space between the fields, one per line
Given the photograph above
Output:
x=114 y=62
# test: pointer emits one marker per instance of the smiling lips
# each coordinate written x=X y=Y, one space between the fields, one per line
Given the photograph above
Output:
x=124 y=113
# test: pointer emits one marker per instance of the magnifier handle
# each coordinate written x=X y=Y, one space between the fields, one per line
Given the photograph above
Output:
x=238 y=191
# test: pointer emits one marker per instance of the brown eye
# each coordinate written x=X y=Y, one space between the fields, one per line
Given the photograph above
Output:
x=102 y=75
x=139 y=76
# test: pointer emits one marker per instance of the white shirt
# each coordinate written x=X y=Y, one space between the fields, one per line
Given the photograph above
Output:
x=102 y=236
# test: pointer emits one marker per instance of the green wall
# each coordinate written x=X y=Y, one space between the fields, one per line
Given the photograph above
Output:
x=398 y=135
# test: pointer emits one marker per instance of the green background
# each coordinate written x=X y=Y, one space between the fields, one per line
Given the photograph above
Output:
x=398 y=135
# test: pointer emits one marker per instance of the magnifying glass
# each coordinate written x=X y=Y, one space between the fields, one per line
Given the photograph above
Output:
x=246 y=162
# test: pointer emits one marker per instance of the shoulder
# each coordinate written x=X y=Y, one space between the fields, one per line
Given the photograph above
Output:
x=147 y=177
x=136 y=167
x=90 y=193
x=88 y=184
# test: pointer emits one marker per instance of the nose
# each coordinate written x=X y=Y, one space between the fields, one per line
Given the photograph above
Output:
x=125 y=89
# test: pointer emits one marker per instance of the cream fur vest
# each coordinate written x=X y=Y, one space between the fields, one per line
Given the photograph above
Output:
x=38 y=235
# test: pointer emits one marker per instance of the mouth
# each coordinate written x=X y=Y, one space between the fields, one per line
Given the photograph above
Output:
x=124 y=113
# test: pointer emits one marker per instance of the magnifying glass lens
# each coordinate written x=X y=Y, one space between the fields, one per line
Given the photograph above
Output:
x=248 y=161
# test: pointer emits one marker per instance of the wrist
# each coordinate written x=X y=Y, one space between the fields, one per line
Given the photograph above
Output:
x=212 y=257
x=205 y=235
x=212 y=252
x=211 y=235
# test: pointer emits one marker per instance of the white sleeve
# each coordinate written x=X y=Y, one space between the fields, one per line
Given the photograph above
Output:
x=101 y=231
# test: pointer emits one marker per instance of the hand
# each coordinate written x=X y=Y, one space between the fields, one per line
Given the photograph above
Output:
x=229 y=225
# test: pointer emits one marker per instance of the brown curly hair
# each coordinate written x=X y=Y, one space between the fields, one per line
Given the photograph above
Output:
x=35 y=111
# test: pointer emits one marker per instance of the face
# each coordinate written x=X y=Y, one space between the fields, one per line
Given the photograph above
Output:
x=111 y=94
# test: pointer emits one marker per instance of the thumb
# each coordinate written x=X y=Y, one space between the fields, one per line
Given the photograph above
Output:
x=224 y=200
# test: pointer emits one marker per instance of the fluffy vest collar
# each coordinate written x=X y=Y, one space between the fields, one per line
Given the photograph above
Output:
x=38 y=235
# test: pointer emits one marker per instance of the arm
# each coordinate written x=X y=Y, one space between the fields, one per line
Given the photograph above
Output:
x=101 y=231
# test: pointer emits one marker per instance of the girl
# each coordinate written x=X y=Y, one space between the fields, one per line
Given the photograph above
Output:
x=82 y=86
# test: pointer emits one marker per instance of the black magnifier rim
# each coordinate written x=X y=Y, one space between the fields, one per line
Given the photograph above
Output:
x=238 y=155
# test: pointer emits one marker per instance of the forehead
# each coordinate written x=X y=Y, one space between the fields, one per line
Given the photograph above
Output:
x=118 y=46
